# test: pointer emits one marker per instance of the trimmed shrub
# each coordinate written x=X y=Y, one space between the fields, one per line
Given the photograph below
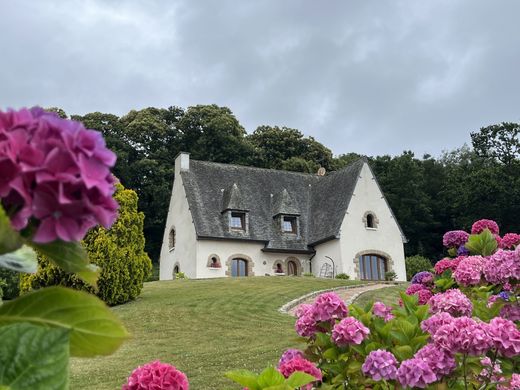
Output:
x=390 y=275
x=9 y=282
x=118 y=251
x=342 y=276
x=415 y=264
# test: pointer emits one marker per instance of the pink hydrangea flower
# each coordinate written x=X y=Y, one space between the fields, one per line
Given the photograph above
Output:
x=380 y=364
x=424 y=296
x=349 y=331
x=306 y=326
x=329 y=306
x=469 y=271
x=511 y=312
x=479 y=226
x=303 y=365
x=415 y=373
x=290 y=354
x=463 y=335
x=510 y=241
x=381 y=310
x=432 y=324
x=302 y=309
x=454 y=238
x=439 y=360
x=56 y=173
x=504 y=336
x=414 y=288
x=501 y=266
x=155 y=376
x=446 y=264
x=453 y=301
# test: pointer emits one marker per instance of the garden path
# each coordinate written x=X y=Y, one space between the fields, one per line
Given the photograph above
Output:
x=348 y=295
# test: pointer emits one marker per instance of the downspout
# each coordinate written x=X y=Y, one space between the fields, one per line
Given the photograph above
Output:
x=310 y=262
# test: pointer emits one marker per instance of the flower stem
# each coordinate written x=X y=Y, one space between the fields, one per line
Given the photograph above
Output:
x=464 y=368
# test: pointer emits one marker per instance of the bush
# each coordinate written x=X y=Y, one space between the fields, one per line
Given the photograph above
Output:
x=10 y=283
x=118 y=251
x=342 y=276
x=415 y=264
x=180 y=275
x=390 y=275
x=309 y=275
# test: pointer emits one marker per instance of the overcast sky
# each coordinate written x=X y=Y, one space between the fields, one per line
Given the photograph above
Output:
x=366 y=76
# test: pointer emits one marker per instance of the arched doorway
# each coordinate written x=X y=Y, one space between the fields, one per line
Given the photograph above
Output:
x=372 y=267
x=292 y=268
x=238 y=267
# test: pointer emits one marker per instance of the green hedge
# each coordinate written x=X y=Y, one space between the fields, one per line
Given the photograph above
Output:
x=416 y=264
x=118 y=251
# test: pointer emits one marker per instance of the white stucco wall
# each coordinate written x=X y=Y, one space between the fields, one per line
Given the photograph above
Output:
x=179 y=217
x=227 y=250
x=331 y=249
x=355 y=238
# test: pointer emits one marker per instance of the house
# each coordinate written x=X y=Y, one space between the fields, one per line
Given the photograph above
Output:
x=231 y=220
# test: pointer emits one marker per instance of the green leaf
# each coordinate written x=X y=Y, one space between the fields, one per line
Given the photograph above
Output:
x=298 y=379
x=21 y=260
x=331 y=354
x=244 y=377
x=354 y=366
x=34 y=357
x=283 y=386
x=10 y=240
x=94 y=329
x=270 y=377
x=70 y=257
x=483 y=244
x=322 y=339
x=403 y=352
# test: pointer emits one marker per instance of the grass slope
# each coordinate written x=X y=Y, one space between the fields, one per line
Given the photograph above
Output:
x=389 y=295
x=204 y=328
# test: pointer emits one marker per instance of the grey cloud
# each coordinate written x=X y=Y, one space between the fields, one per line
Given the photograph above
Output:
x=370 y=77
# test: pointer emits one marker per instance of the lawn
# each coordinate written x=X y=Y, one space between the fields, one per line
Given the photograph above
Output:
x=203 y=327
x=387 y=295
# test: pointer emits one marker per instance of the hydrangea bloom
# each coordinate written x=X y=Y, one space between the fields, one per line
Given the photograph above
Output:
x=439 y=360
x=454 y=238
x=415 y=373
x=414 y=288
x=290 y=354
x=380 y=364
x=306 y=325
x=381 y=310
x=349 y=331
x=453 y=301
x=303 y=365
x=504 y=336
x=510 y=241
x=469 y=271
x=463 y=335
x=432 y=324
x=329 y=306
x=55 y=172
x=447 y=264
x=479 y=226
x=157 y=375
x=302 y=309
x=425 y=278
x=423 y=296
x=501 y=266
x=511 y=312
x=462 y=251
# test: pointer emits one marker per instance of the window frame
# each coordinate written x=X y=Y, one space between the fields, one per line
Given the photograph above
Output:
x=293 y=220
x=239 y=215
x=172 y=239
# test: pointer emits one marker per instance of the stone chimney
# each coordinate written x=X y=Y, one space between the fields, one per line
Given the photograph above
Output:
x=182 y=163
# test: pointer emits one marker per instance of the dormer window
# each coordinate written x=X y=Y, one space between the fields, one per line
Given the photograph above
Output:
x=289 y=224
x=237 y=221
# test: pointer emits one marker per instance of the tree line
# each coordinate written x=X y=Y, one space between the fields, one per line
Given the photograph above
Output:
x=429 y=195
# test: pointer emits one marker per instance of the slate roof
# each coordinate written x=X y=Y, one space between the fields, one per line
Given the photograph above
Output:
x=212 y=189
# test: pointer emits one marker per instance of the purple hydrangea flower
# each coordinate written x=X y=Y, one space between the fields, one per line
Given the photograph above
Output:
x=454 y=238
x=453 y=301
x=462 y=251
x=425 y=278
x=504 y=336
x=439 y=360
x=463 y=335
x=290 y=354
x=380 y=364
x=415 y=373
x=501 y=266
x=381 y=310
x=432 y=324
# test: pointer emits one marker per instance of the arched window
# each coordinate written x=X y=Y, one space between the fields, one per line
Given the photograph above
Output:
x=171 y=239
x=372 y=267
x=292 y=269
x=370 y=220
x=176 y=269
x=238 y=267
